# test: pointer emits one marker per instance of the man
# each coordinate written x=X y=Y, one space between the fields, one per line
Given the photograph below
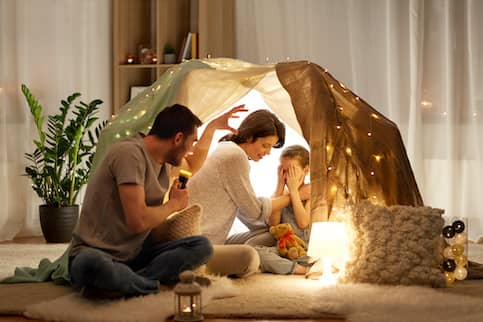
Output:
x=110 y=251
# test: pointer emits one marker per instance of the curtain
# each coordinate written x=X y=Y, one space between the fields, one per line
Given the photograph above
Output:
x=56 y=48
x=418 y=62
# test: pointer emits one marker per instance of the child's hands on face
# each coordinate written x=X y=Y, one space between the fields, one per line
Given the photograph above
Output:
x=280 y=175
x=294 y=177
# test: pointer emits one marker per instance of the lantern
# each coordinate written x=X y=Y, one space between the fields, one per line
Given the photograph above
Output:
x=187 y=299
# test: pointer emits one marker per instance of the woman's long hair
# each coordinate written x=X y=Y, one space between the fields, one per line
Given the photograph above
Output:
x=258 y=124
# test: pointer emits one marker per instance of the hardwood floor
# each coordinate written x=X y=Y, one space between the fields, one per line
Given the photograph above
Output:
x=40 y=240
x=22 y=319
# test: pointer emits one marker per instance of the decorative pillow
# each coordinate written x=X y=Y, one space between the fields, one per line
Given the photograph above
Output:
x=395 y=245
x=180 y=224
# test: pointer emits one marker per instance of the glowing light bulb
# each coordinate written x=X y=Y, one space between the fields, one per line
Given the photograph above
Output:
x=329 y=168
x=369 y=133
x=448 y=253
x=460 y=273
x=333 y=189
x=372 y=173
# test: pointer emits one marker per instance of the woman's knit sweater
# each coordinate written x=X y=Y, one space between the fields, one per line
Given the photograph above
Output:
x=222 y=187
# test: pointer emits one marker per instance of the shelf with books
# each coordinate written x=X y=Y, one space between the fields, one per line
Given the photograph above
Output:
x=144 y=29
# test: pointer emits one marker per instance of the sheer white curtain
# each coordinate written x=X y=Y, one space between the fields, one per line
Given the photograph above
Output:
x=56 y=48
x=418 y=62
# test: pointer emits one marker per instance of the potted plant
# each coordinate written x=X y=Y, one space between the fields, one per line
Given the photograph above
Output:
x=61 y=161
x=169 y=54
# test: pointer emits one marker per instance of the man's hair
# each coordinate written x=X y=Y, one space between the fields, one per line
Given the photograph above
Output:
x=174 y=119
x=297 y=152
x=259 y=124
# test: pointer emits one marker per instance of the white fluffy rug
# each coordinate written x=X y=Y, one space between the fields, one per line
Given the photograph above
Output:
x=370 y=303
x=270 y=297
x=155 y=308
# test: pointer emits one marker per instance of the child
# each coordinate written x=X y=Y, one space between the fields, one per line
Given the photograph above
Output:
x=293 y=168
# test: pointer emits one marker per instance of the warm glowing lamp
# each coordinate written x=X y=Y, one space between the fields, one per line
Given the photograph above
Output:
x=328 y=245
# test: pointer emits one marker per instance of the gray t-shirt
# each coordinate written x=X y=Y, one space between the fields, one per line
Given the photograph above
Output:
x=102 y=223
x=288 y=216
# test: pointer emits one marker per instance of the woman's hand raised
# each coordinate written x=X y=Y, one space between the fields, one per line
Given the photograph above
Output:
x=221 y=122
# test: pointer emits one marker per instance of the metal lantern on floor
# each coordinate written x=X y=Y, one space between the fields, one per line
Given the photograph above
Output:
x=187 y=299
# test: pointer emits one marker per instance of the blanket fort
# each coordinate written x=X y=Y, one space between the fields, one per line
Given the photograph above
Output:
x=356 y=152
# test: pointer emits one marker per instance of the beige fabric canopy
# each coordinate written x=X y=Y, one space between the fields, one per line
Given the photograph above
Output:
x=356 y=152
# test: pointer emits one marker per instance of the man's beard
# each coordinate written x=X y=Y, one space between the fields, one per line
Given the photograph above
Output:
x=175 y=156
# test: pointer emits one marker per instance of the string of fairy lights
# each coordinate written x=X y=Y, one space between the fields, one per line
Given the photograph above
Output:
x=375 y=157
x=134 y=117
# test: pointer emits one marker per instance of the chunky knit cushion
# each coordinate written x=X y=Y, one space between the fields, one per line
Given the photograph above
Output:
x=180 y=224
x=395 y=245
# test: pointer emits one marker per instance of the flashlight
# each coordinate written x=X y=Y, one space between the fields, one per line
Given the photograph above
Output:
x=184 y=175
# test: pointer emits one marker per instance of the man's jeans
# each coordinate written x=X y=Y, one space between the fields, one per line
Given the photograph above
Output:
x=94 y=268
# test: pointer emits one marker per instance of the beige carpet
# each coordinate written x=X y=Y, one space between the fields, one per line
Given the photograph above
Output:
x=13 y=255
x=261 y=296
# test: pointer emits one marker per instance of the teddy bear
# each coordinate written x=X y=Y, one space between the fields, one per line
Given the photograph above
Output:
x=289 y=245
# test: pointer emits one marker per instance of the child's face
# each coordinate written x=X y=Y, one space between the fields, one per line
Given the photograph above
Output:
x=286 y=162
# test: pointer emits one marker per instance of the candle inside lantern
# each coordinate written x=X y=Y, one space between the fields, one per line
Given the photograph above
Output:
x=187 y=299
x=186 y=309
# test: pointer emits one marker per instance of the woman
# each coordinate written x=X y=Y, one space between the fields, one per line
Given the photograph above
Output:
x=222 y=187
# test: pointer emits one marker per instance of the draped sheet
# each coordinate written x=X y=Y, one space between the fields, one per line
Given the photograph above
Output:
x=356 y=153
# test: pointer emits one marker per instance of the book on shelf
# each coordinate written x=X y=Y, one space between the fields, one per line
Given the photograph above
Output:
x=189 y=47
x=194 y=45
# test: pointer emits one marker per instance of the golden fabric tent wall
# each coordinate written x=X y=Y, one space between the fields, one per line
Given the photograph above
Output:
x=356 y=152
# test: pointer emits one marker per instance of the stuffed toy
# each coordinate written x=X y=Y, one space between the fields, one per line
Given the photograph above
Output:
x=289 y=245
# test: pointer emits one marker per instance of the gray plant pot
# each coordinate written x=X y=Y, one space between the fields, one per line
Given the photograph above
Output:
x=170 y=58
x=58 y=223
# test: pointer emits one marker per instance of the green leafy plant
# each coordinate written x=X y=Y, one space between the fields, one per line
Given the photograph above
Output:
x=168 y=49
x=61 y=162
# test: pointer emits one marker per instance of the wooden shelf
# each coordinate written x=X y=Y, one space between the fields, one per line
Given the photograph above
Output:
x=146 y=65
x=153 y=24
